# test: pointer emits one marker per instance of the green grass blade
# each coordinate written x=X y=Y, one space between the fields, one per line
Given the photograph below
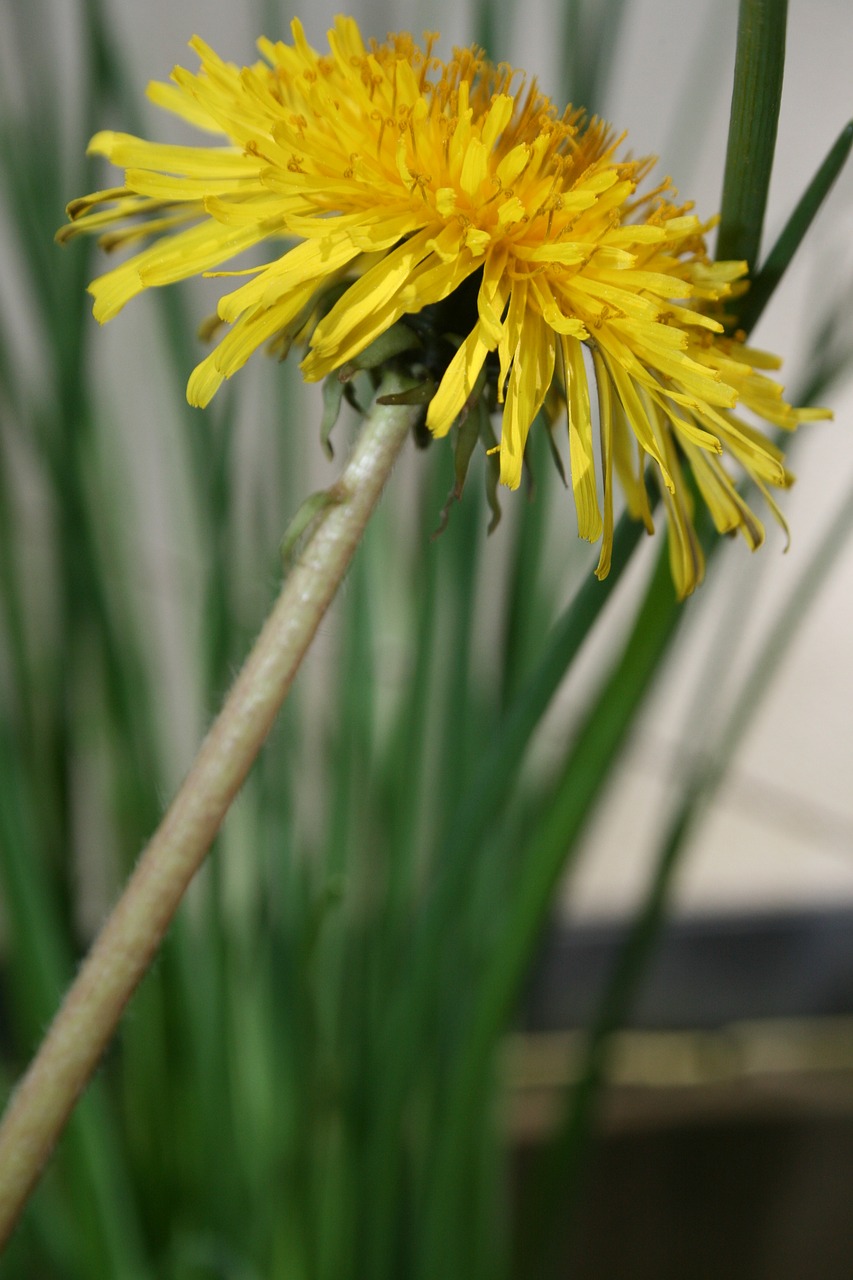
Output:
x=529 y=613
x=404 y=1034
x=489 y=19
x=583 y=775
x=499 y=766
x=589 y=39
x=458 y=707
x=756 y=97
x=406 y=768
x=776 y=263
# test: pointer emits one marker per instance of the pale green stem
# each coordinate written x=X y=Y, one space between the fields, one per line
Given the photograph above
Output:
x=70 y=1051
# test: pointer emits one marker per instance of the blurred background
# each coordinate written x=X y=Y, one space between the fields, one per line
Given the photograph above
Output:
x=139 y=551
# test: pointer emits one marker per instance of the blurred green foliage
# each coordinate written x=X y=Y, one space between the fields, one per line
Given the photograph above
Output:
x=308 y=1083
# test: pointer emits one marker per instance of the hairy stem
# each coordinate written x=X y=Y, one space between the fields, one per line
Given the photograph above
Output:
x=45 y=1097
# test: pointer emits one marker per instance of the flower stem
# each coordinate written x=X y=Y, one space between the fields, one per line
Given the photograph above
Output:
x=45 y=1097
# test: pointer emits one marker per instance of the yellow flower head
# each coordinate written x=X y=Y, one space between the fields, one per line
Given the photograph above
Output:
x=396 y=177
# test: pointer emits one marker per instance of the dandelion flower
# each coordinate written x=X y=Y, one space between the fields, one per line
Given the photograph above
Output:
x=393 y=178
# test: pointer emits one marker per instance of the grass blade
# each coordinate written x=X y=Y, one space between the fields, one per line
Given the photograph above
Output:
x=776 y=263
x=756 y=97
x=581 y=779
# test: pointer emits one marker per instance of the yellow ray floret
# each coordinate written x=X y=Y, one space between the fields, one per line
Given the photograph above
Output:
x=379 y=180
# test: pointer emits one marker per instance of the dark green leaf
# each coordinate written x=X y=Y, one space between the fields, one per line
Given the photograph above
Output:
x=333 y=394
x=756 y=96
x=776 y=262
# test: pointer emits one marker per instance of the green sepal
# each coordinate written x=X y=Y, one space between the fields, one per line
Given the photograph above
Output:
x=555 y=455
x=493 y=466
x=467 y=435
x=333 y=394
x=393 y=342
x=420 y=394
x=468 y=430
x=308 y=512
x=351 y=397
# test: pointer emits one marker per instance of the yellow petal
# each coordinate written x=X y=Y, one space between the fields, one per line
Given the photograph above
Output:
x=532 y=371
x=605 y=418
x=581 y=452
x=458 y=382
